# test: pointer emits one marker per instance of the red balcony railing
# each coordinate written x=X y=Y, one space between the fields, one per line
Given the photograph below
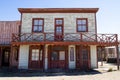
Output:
x=67 y=37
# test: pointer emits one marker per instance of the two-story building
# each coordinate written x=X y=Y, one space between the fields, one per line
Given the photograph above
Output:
x=62 y=38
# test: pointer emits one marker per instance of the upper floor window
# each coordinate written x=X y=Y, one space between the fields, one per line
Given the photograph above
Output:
x=38 y=25
x=82 y=25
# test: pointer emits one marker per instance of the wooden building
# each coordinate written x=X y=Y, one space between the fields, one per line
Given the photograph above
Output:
x=6 y=30
x=58 y=38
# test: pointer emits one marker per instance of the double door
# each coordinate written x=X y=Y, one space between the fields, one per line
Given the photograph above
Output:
x=57 y=59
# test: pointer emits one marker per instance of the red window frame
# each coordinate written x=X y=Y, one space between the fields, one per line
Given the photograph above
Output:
x=59 y=24
x=37 y=25
x=82 y=24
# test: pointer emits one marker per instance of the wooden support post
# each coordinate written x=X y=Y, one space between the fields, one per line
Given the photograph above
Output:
x=117 y=51
x=11 y=55
x=118 y=62
x=45 y=57
x=101 y=56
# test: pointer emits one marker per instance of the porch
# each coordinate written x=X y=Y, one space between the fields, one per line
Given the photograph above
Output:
x=68 y=39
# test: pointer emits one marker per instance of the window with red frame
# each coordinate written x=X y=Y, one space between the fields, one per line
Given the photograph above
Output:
x=82 y=25
x=38 y=25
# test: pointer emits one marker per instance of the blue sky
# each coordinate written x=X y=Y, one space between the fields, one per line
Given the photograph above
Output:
x=107 y=17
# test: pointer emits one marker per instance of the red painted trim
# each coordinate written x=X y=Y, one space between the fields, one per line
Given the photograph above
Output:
x=37 y=25
x=58 y=10
x=86 y=24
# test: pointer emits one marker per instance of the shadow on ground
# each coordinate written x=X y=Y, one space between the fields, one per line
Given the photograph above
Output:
x=7 y=72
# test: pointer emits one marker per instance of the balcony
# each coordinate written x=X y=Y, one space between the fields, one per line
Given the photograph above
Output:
x=67 y=38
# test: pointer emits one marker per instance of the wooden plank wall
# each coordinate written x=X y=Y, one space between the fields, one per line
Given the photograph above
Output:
x=6 y=30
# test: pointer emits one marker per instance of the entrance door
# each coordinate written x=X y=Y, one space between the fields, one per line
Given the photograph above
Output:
x=82 y=60
x=5 y=57
x=58 y=59
x=58 y=29
x=36 y=58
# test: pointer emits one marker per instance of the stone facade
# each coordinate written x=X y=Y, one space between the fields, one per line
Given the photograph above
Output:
x=69 y=21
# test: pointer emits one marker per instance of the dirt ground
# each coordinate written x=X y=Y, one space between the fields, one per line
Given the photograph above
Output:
x=97 y=74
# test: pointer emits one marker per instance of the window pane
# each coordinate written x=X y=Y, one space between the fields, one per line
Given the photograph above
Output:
x=37 y=50
x=79 y=28
x=40 y=22
x=35 y=54
x=33 y=51
x=54 y=56
x=83 y=21
x=62 y=55
x=35 y=28
x=40 y=28
x=35 y=22
x=79 y=22
x=58 y=30
x=83 y=28
x=58 y=21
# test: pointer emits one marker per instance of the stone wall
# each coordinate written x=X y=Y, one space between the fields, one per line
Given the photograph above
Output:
x=69 y=21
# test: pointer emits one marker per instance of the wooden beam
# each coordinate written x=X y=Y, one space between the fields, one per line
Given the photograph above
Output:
x=11 y=56
x=118 y=62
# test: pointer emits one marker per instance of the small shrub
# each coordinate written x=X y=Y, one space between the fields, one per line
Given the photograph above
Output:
x=110 y=70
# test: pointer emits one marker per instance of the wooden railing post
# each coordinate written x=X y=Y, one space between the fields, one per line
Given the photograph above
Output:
x=81 y=37
x=44 y=36
x=117 y=51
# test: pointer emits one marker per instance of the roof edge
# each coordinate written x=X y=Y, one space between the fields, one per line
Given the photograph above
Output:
x=58 y=10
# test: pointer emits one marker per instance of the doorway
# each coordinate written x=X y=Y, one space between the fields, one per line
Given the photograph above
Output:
x=82 y=57
x=58 y=29
x=36 y=57
x=58 y=57
x=5 y=56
